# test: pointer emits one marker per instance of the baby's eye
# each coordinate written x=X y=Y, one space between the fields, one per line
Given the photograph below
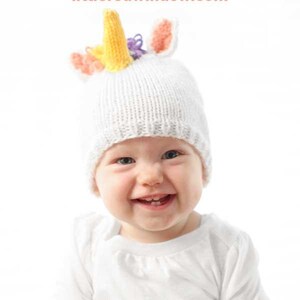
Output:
x=127 y=160
x=124 y=160
x=172 y=154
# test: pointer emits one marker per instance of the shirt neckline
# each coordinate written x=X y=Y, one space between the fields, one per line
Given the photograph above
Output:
x=121 y=243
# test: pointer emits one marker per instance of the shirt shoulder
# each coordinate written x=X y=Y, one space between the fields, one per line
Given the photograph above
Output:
x=75 y=277
x=240 y=270
x=238 y=260
x=230 y=238
x=231 y=243
x=223 y=232
x=88 y=230
x=223 y=238
x=90 y=225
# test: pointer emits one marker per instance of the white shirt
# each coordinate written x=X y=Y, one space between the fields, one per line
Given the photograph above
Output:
x=215 y=261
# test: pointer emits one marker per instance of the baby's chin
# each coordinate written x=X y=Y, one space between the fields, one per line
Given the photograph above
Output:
x=154 y=232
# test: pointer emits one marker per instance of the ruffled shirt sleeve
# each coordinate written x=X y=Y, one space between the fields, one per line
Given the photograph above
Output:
x=241 y=280
x=75 y=282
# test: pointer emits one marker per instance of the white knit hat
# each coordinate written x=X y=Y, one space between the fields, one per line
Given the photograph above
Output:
x=149 y=95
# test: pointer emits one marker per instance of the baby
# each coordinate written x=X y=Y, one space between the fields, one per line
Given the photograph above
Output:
x=148 y=158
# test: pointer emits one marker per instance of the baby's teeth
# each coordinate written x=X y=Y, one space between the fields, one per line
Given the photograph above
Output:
x=150 y=198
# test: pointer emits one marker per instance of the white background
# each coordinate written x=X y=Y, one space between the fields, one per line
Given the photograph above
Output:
x=245 y=56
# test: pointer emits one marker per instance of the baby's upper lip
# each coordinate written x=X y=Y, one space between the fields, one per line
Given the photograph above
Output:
x=152 y=195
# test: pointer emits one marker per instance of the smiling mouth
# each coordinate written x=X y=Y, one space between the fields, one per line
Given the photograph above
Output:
x=159 y=202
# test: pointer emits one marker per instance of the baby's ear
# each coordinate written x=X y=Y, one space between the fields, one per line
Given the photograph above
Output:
x=163 y=38
x=95 y=189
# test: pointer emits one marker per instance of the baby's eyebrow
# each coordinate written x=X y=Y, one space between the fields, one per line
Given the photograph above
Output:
x=127 y=148
x=119 y=151
x=120 y=148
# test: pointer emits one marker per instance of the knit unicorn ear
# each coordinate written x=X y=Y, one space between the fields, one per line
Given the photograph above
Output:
x=163 y=38
x=113 y=55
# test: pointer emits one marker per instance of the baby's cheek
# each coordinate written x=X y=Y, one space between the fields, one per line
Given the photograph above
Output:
x=179 y=171
x=188 y=176
x=120 y=184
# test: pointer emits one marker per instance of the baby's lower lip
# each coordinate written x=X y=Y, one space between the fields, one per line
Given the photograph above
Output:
x=155 y=207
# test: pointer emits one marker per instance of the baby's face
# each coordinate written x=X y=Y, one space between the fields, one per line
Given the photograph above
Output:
x=139 y=167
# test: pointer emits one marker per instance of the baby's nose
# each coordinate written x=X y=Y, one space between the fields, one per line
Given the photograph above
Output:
x=150 y=175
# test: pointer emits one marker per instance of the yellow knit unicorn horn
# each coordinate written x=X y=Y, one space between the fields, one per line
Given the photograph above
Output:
x=114 y=53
